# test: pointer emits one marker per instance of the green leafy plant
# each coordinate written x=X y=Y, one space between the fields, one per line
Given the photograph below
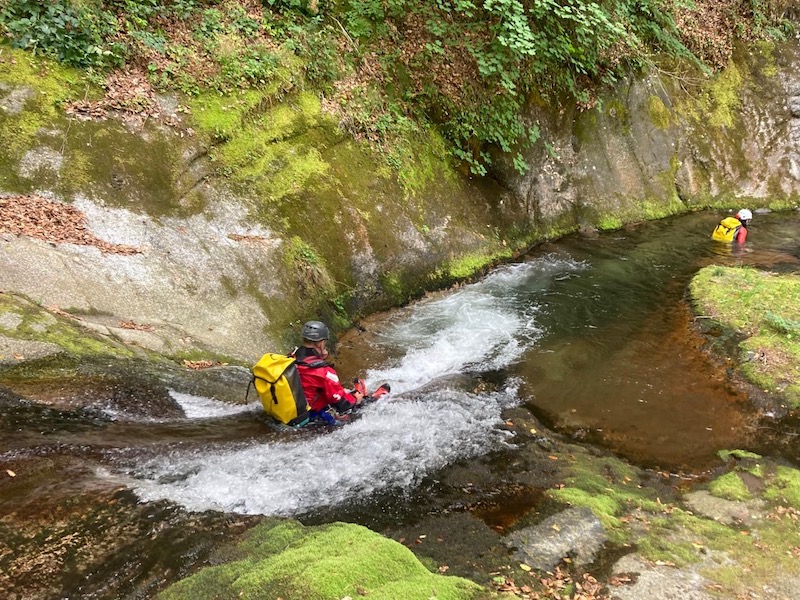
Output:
x=396 y=67
x=71 y=34
x=782 y=325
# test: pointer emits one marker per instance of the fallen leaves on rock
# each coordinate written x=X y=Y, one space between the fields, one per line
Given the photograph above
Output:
x=622 y=579
x=254 y=239
x=554 y=585
x=52 y=221
x=197 y=365
x=61 y=313
x=135 y=326
x=128 y=94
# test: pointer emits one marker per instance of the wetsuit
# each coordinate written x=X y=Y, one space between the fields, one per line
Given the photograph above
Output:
x=321 y=383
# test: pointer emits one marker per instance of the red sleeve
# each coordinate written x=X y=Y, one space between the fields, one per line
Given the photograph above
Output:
x=741 y=235
x=334 y=392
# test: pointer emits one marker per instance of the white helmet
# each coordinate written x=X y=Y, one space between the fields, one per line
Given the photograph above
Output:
x=744 y=215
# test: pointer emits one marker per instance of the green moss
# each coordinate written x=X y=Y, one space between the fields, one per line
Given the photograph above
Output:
x=200 y=354
x=609 y=222
x=766 y=51
x=759 y=307
x=762 y=554
x=744 y=298
x=325 y=563
x=468 y=265
x=102 y=159
x=125 y=168
x=422 y=161
x=219 y=116
x=393 y=287
x=726 y=455
x=656 y=548
x=38 y=325
x=679 y=536
x=774 y=363
x=730 y=486
x=606 y=486
x=308 y=266
x=45 y=85
x=276 y=153
x=785 y=487
x=659 y=113
x=719 y=100
x=605 y=507
x=617 y=110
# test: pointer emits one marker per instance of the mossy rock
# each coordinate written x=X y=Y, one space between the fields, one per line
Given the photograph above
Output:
x=324 y=563
x=730 y=487
x=759 y=307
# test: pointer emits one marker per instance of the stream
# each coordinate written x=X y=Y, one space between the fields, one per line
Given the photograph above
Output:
x=591 y=335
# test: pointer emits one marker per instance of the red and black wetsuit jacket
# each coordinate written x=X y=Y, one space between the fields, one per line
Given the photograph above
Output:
x=320 y=382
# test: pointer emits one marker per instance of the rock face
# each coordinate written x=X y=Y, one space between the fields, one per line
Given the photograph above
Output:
x=232 y=264
x=650 y=150
x=186 y=286
x=722 y=510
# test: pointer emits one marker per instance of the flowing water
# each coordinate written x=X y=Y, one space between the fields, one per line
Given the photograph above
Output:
x=592 y=334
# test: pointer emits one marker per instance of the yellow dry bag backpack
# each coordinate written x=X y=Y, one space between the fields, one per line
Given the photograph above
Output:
x=277 y=382
x=726 y=230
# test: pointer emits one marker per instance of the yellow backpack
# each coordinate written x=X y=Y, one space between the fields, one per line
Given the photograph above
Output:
x=277 y=382
x=726 y=230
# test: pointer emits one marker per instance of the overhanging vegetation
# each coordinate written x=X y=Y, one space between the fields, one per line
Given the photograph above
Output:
x=389 y=69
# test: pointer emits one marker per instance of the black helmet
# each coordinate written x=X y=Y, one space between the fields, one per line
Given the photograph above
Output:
x=315 y=331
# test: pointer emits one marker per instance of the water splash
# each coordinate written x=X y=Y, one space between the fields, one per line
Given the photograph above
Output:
x=397 y=441
x=392 y=446
x=484 y=326
x=200 y=407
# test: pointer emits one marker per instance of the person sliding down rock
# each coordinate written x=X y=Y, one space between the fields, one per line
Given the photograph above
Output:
x=326 y=397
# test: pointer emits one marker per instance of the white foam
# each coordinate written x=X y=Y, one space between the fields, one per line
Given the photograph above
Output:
x=485 y=326
x=392 y=446
x=398 y=440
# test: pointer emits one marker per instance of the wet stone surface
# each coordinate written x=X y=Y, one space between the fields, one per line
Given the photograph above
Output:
x=90 y=540
x=575 y=532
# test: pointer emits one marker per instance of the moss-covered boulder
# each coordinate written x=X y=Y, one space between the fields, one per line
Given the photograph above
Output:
x=756 y=311
x=287 y=560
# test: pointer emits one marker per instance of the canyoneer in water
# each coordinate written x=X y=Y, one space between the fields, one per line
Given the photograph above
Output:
x=733 y=229
x=304 y=387
x=327 y=398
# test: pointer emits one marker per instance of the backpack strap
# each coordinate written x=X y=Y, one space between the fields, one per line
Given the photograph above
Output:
x=314 y=364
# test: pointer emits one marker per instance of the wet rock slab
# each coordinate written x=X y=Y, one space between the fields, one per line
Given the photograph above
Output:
x=724 y=511
x=575 y=532
x=88 y=538
x=659 y=582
